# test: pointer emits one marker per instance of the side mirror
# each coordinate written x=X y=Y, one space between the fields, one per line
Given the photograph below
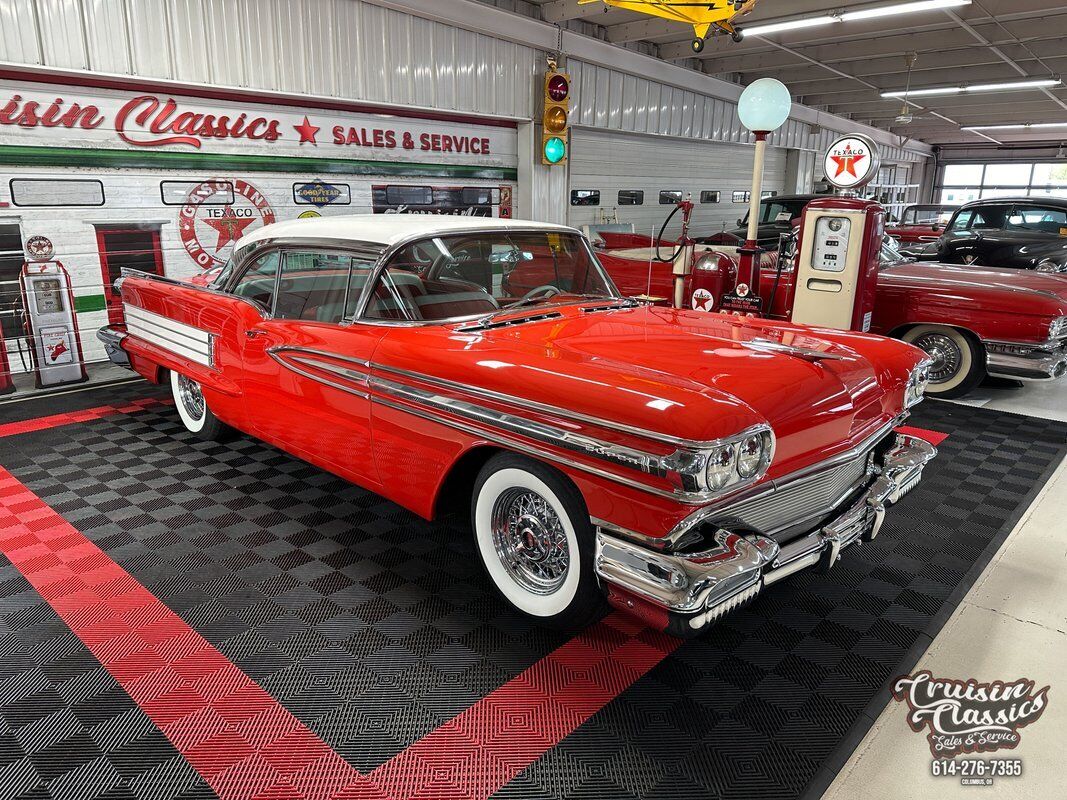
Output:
x=740 y=223
x=935 y=227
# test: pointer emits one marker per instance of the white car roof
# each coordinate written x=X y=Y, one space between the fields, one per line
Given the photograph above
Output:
x=387 y=229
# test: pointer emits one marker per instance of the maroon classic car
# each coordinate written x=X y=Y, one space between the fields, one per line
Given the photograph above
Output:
x=972 y=321
x=920 y=223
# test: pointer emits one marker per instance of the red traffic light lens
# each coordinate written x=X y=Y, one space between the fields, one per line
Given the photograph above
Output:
x=558 y=88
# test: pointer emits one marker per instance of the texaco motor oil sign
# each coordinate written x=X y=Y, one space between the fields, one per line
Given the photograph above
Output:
x=208 y=231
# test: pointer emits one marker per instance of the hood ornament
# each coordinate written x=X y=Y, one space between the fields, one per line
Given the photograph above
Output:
x=800 y=352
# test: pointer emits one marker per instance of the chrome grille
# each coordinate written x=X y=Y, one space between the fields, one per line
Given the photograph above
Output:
x=799 y=501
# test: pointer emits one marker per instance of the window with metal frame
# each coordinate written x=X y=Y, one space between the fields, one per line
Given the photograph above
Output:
x=56 y=192
x=258 y=281
x=631 y=197
x=320 y=286
x=710 y=196
x=670 y=196
x=585 y=197
x=202 y=193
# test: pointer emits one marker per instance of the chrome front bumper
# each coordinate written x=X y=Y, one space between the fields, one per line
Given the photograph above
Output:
x=1026 y=362
x=685 y=593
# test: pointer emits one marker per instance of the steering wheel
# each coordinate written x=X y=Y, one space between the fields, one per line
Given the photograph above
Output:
x=548 y=290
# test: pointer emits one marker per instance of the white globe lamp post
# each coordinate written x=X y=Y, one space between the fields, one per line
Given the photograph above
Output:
x=763 y=108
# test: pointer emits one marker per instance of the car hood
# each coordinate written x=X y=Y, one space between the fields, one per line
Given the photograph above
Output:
x=680 y=374
x=1039 y=292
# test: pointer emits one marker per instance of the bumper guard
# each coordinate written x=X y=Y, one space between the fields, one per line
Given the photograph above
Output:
x=685 y=593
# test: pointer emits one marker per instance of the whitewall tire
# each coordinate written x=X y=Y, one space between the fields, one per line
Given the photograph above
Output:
x=535 y=541
x=958 y=359
x=193 y=409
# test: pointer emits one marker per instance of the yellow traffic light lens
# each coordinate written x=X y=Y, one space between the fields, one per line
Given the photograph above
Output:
x=555 y=150
x=555 y=120
x=558 y=88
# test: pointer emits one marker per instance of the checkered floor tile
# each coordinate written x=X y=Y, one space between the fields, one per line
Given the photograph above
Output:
x=374 y=627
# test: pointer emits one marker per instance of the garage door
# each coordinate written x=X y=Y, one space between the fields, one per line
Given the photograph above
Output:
x=603 y=165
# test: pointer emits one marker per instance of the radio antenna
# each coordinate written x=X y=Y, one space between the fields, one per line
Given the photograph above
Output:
x=651 y=253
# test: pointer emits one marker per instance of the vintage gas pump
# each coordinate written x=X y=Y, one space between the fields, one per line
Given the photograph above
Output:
x=51 y=324
x=7 y=385
x=681 y=259
x=840 y=242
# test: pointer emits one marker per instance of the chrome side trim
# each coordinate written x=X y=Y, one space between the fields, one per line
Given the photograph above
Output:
x=522 y=447
x=562 y=413
x=305 y=357
x=168 y=334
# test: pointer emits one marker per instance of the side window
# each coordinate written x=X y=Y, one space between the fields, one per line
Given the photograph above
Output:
x=320 y=287
x=257 y=281
x=962 y=221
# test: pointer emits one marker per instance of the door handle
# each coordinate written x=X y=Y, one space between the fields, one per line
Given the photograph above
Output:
x=252 y=333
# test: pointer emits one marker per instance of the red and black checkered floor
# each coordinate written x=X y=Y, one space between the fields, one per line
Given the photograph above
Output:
x=181 y=619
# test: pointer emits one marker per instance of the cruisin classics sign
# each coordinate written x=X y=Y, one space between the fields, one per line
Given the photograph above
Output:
x=99 y=118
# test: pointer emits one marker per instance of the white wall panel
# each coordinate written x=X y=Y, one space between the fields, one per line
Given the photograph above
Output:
x=102 y=19
x=18 y=32
x=61 y=32
x=609 y=162
x=150 y=39
x=189 y=38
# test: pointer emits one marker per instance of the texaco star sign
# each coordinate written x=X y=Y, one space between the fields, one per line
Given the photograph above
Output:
x=851 y=162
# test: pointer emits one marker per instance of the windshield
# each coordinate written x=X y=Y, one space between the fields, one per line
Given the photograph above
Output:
x=890 y=253
x=777 y=211
x=452 y=277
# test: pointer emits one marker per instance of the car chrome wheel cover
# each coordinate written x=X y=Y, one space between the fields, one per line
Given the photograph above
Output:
x=530 y=541
x=191 y=398
x=946 y=355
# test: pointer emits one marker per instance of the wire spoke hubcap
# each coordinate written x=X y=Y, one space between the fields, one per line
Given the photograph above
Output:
x=945 y=353
x=530 y=541
x=191 y=397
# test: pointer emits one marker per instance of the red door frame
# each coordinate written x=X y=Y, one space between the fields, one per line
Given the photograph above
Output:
x=112 y=300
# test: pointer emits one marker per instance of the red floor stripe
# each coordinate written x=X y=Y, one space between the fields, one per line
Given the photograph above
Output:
x=486 y=746
x=84 y=415
x=933 y=437
x=239 y=738
x=247 y=746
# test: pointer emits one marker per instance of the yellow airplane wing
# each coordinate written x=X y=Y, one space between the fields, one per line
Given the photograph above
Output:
x=703 y=16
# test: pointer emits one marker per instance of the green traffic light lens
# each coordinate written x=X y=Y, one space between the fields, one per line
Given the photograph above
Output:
x=555 y=150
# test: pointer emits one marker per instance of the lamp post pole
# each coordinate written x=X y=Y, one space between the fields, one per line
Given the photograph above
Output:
x=750 y=252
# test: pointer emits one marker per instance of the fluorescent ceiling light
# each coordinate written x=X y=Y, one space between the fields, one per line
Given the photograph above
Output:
x=993 y=87
x=1016 y=127
x=850 y=16
x=978 y=87
x=790 y=25
x=902 y=8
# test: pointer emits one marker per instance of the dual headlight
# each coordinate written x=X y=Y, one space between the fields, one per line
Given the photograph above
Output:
x=738 y=460
x=917 y=383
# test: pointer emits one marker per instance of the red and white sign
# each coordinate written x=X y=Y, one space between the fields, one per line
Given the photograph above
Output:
x=851 y=161
x=208 y=232
x=103 y=118
x=55 y=344
x=39 y=248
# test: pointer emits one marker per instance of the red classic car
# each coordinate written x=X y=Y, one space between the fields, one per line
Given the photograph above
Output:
x=674 y=461
x=920 y=223
x=971 y=321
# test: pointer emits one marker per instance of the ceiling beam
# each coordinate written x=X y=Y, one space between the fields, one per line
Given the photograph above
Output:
x=566 y=10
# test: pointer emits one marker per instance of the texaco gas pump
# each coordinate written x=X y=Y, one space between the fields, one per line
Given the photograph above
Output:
x=840 y=242
x=51 y=324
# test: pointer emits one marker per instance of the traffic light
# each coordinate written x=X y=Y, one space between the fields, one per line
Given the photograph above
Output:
x=555 y=136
